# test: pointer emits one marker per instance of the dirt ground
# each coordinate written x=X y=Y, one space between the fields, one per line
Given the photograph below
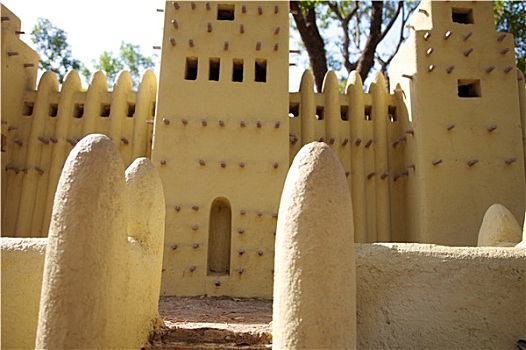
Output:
x=220 y=322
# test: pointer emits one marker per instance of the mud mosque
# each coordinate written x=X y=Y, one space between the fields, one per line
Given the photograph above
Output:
x=212 y=200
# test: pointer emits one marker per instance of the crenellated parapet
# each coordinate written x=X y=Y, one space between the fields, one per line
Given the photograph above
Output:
x=372 y=137
x=48 y=123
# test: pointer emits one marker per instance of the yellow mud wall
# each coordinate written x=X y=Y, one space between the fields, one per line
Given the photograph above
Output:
x=22 y=261
x=18 y=75
x=220 y=144
x=41 y=125
x=368 y=132
x=418 y=296
x=459 y=85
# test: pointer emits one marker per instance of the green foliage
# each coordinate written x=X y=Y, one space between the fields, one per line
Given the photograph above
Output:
x=510 y=16
x=129 y=58
x=51 y=44
x=53 y=49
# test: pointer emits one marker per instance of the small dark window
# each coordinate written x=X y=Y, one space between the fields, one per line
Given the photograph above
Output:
x=237 y=70
x=344 y=112
x=462 y=15
x=213 y=73
x=391 y=111
x=105 y=109
x=27 y=109
x=53 y=110
x=261 y=70
x=191 y=68
x=131 y=110
x=368 y=113
x=320 y=111
x=469 y=88
x=78 y=110
x=294 y=110
x=225 y=12
x=154 y=106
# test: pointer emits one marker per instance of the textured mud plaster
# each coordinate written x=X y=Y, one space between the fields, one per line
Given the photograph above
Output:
x=93 y=274
x=22 y=264
x=314 y=283
x=418 y=296
x=499 y=228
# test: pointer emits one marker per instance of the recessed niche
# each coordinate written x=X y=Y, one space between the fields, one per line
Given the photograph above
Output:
x=320 y=112
x=27 y=108
x=105 y=109
x=131 y=110
x=53 y=110
x=213 y=70
x=294 y=110
x=368 y=113
x=78 y=110
x=226 y=12
x=260 y=70
x=237 y=70
x=462 y=15
x=191 y=68
x=344 y=112
x=469 y=88
x=391 y=111
x=219 y=237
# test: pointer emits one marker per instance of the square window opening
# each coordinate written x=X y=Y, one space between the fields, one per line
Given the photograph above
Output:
x=53 y=110
x=191 y=68
x=105 y=109
x=391 y=111
x=462 y=15
x=213 y=72
x=131 y=110
x=320 y=111
x=368 y=113
x=237 y=70
x=78 y=110
x=294 y=110
x=344 y=112
x=261 y=70
x=226 y=12
x=27 y=108
x=469 y=88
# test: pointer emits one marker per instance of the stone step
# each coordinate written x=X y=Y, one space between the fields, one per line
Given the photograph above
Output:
x=213 y=323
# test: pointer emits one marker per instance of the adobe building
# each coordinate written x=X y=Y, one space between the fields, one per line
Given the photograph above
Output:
x=218 y=132
x=221 y=143
x=458 y=82
x=423 y=162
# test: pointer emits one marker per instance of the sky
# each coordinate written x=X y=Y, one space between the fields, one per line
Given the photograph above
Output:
x=94 y=27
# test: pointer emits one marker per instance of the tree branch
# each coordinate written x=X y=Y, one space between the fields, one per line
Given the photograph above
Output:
x=366 y=61
x=308 y=29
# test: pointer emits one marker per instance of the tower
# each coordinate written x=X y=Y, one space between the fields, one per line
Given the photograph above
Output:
x=220 y=144
x=459 y=85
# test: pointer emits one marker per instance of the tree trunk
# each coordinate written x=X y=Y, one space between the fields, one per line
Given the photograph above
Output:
x=366 y=61
x=306 y=24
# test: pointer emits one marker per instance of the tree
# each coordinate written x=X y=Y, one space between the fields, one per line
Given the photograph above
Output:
x=362 y=26
x=129 y=58
x=51 y=44
x=510 y=16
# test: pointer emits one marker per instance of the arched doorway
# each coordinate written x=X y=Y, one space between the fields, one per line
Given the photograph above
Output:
x=219 y=237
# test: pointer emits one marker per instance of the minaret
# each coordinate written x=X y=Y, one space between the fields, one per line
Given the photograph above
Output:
x=459 y=85
x=221 y=144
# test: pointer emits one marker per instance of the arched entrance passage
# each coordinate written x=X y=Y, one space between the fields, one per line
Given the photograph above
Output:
x=219 y=237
